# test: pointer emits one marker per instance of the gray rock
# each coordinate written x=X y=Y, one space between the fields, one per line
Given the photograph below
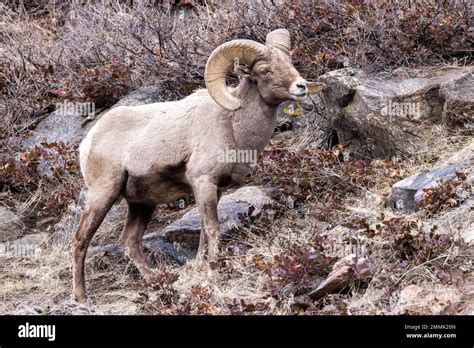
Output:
x=303 y=121
x=8 y=219
x=458 y=110
x=407 y=193
x=341 y=86
x=9 y=223
x=233 y=209
x=154 y=248
x=380 y=116
x=141 y=96
x=70 y=122
x=64 y=124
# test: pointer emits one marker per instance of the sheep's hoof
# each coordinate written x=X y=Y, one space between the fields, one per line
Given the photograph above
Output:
x=80 y=298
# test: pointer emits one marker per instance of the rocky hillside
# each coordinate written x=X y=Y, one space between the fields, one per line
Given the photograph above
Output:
x=361 y=204
x=317 y=230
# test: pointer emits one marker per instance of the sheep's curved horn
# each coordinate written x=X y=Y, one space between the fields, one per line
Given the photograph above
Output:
x=221 y=62
x=280 y=39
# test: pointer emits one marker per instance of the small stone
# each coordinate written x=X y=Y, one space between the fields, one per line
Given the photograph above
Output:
x=344 y=271
x=409 y=192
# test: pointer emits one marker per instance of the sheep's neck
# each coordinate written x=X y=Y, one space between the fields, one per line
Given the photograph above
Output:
x=255 y=122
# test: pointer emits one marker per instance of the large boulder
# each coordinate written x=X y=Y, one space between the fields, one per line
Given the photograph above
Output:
x=409 y=192
x=233 y=210
x=458 y=109
x=305 y=121
x=70 y=122
x=62 y=125
x=379 y=116
x=141 y=96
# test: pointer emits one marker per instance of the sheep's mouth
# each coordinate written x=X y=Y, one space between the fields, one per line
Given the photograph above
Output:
x=299 y=96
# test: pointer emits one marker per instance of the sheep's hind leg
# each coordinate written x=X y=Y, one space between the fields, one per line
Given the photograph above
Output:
x=99 y=201
x=202 y=245
x=203 y=237
x=206 y=194
x=138 y=217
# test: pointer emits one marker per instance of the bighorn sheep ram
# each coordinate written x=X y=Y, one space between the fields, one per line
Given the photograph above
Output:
x=155 y=153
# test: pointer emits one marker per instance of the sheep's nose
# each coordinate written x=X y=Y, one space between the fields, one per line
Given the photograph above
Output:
x=302 y=85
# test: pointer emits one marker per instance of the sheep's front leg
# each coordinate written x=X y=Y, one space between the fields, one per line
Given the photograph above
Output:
x=206 y=193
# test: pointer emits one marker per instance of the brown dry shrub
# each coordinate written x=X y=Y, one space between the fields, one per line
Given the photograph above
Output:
x=49 y=169
x=97 y=53
x=304 y=176
x=446 y=194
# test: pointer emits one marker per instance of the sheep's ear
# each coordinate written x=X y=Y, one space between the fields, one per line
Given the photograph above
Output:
x=315 y=87
x=243 y=71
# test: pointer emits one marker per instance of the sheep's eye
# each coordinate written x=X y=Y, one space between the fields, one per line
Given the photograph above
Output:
x=264 y=72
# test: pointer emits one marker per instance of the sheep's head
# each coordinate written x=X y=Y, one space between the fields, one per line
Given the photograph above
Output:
x=267 y=65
